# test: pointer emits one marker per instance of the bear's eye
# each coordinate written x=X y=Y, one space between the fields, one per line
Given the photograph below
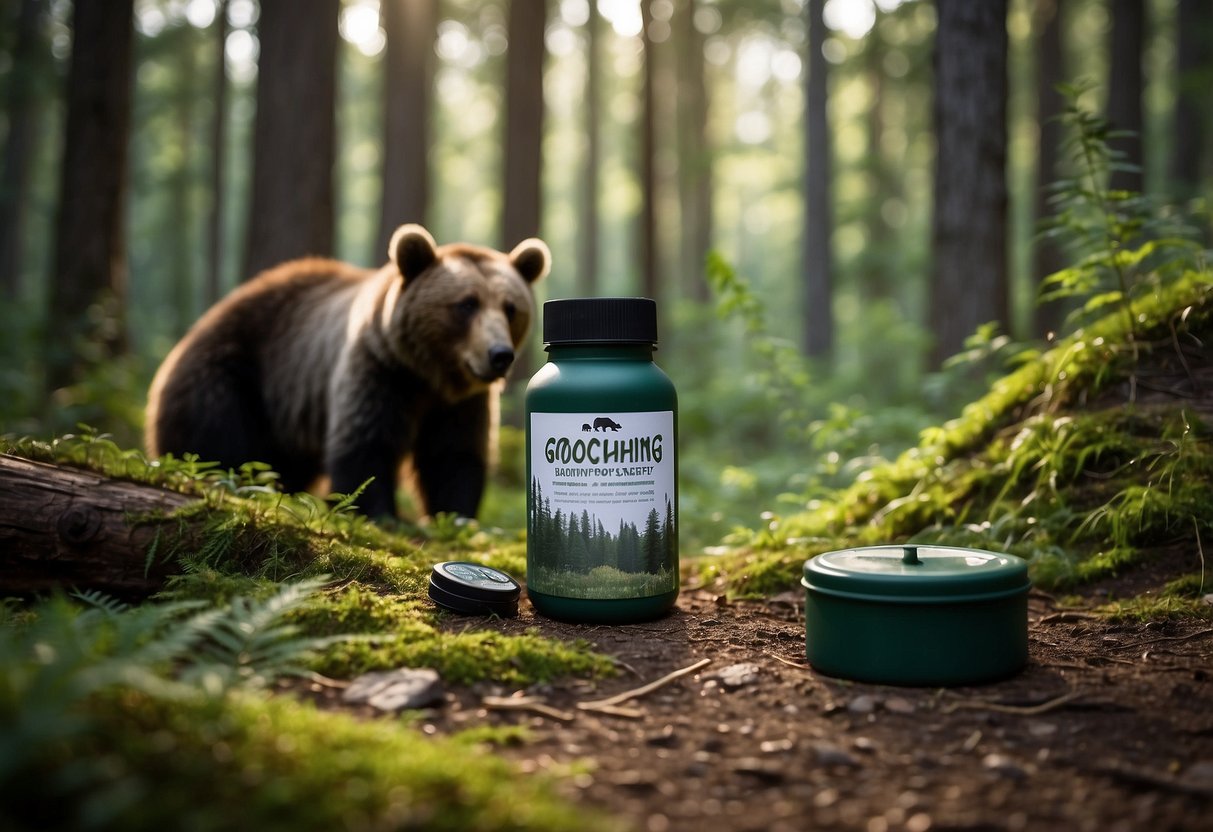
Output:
x=468 y=306
x=510 y=311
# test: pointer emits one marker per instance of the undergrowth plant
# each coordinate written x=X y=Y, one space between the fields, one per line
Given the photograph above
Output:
x=1030 y=467
x=157 y=716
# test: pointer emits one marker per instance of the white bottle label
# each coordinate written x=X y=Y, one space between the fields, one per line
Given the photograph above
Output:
x=601 y=512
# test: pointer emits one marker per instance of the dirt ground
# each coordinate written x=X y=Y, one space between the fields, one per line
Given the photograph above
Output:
x=1110 y=727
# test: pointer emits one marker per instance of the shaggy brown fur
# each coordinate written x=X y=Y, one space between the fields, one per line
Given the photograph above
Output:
x=318 y=367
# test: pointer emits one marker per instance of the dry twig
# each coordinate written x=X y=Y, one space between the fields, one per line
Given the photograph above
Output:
x=788 y=662
x=525 y=703
x=618 y=698
x=1161 y=639
x=1021 y=710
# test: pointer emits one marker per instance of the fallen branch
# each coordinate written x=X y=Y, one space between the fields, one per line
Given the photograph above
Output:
x=788 y=662
x=599 y=704
x=1161 y=639
x=1021 y=710
x=525 y=703
x=1068 y=615
x=1141 y=777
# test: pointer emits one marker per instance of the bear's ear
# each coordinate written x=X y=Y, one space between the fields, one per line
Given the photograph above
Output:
x=532 y=259
x=413 y=250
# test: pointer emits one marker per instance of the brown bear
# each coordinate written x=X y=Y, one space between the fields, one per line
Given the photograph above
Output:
x=320 y=368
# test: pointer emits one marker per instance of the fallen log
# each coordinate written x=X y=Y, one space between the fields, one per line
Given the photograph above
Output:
x=70 y=528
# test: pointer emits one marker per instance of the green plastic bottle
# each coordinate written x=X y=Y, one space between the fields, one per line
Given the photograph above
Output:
x=602 y=466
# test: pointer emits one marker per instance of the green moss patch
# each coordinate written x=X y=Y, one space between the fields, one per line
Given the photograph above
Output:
x=1047 y=465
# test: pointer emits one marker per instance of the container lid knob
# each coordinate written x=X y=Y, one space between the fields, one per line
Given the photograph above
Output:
x=909 y=556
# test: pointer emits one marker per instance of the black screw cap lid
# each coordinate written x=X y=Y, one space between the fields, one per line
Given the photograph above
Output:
x=473 y=589
x=600 y=321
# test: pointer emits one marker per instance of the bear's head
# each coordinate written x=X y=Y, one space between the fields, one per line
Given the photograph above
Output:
x=460 y=312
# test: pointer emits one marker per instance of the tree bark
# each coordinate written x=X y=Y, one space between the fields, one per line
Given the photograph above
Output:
x=213 y=285
x=64 y=527
x=412 y=28
x=22 y=112
x=1125 y=92
x=818 y=213
x=969 y=231
x=588 y=236
x=295 y=134
x=182 y=275
x=649 y=284
x=1047 y=256
x=694 y=155
x=1193 y=62
x=90 y=251
x=523 y=175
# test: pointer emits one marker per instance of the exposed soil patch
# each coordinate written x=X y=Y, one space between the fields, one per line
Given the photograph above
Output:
x=1110 y=727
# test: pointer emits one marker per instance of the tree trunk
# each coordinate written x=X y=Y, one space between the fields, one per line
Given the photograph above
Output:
x=295 y=133
x=818 y=215
x=694 y=155
x=183 y=256
x=1193 y=63
x=63 y=528
x=524 y=107
x=588 y=237
x=649 y=286
x=969 y=231
x=90 y=252
x=1047 y=257
x=22 y=113
x=213 y=286
x=412 y=28
x=1125 y=91
x=874 y=278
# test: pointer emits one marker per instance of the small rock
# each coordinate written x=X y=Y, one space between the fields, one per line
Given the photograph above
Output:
x=1207 y=600
x=664 y=738
x=776 y=746
x=396 y=690
x=754 y=767
x=832 y=755
x=1003 y=765
x=862 y=704
x=738 y=675
x=898 y=705
x=1042 y=729
x=1200 y=773
x=866 y=745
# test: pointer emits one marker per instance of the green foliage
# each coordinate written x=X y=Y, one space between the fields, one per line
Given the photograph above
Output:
x=1028 y=467
x=1124 y=245
x=248 y=762
x=133 y=717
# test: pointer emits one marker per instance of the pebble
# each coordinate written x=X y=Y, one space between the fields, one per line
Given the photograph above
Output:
x=898 y=705
x=737 y=675
x=396 y=690
x=1200 y=773
x=832 y=755
x=862 y=704
x=1003 y=765
x=754 y=767
x=776 y=746
x=1042 y=729
x=665 y=738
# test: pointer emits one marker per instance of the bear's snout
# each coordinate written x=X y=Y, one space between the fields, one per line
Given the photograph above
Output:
x=500 y=359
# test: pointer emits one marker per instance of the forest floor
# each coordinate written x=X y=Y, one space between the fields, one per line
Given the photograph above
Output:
x=1110 y=727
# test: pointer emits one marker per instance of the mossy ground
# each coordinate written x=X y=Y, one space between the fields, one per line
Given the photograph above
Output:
x=1075 y=461
x=1056 y=463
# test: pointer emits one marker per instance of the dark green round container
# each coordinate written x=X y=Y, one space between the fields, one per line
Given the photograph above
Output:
x=916 y=615
x=599 y=391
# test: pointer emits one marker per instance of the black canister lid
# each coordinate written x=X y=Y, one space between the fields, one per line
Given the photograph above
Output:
x=473 y=589
x=600 y=321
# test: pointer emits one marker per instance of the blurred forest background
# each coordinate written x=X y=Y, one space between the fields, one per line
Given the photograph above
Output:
x=828 y=198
